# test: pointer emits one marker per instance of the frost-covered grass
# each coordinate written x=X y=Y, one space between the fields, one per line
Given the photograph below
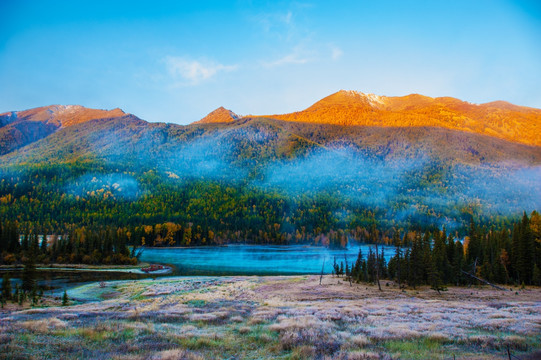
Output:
x=274 y=317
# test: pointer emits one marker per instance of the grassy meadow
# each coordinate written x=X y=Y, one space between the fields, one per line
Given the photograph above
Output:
x=289 y=317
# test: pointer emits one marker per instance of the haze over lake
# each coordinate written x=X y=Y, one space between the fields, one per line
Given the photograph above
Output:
x=256 y=259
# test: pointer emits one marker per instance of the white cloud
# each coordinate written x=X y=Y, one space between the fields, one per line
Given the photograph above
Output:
x=295 y=57
x=193 y=71
x=288 y=59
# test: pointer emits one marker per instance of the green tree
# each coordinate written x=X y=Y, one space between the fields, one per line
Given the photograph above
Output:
x=29 y=273
x=65 y=299
x=6 y=287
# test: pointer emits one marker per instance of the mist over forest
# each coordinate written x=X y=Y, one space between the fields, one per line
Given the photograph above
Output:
x=189 y=174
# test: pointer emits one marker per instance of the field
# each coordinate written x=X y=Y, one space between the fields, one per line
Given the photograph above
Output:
x=289 y=317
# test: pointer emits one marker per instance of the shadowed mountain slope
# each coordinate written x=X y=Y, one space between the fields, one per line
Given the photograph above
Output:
x=254 y=140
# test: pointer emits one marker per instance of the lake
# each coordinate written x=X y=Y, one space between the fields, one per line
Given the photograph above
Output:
x=255 y=259
x=212 y=261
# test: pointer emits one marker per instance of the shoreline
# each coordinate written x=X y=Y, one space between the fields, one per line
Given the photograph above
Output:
x=95 y=268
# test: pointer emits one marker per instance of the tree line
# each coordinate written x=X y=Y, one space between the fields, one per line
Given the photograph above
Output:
x=106 y=245
x=507 y=256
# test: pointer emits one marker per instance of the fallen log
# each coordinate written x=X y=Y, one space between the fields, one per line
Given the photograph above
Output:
x=483 y=281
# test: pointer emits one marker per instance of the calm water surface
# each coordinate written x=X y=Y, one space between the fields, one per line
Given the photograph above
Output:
x=255 y=259
x=213 y=260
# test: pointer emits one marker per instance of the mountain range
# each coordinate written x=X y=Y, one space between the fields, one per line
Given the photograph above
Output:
x=435 y=157
x=446 y=127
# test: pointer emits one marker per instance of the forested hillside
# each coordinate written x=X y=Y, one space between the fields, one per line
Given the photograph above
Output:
x=262 y=175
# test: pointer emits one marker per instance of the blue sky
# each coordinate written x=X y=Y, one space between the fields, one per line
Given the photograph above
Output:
x=177 y=61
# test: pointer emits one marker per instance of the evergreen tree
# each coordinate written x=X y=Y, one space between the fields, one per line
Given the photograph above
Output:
x=43 y=247
x=415 y=261
x=29 y=272
x=439 y=257
x=13 y=237
x=371 y=266
x=3 y=242
x=65 y=299
x=458 y=263
x=6 y=287
x=25 y=241
x=398 y=257
x=356 y=271
x=526 y=250
x=34 y=296
x=473 y=250
x=434 y=278
x=536 y=276
x=16 y=294
x=374 y=237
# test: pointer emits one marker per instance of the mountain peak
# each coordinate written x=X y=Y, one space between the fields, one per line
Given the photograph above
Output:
x=62 y=115
x=354 y=98
x=353 y=108
x=220 y=115
x=20 y=128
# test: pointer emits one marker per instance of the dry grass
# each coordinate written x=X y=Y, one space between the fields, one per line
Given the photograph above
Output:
x=275 y=317
x=359 y=341
x=177 y=354
x=44 y=325
x=363 y=355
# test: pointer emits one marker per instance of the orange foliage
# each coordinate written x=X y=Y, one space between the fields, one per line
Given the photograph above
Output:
x=498 y=119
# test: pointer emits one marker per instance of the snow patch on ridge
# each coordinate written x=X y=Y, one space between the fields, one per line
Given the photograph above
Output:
x=61 y=109
x=373 y=99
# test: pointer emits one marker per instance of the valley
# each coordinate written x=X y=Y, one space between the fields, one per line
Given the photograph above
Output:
x=417 y=196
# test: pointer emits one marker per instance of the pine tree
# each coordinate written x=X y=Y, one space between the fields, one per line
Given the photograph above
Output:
x=536 y=276
x=12 y=236
x=439 y=256
x=6 y=287
x=371 y=266
x=43 y=247
x=335 y=267
x=34 y=296
x=3 y=242
x=434 y=278
x=25 y=241
x=458 y=263
x=375 y=239
x=29 y=272
x=65 y=299
x=398 y=256
x=16 y=294
x=473 y=251
x=526 y=251
x=415 y=261
x=356 y=271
